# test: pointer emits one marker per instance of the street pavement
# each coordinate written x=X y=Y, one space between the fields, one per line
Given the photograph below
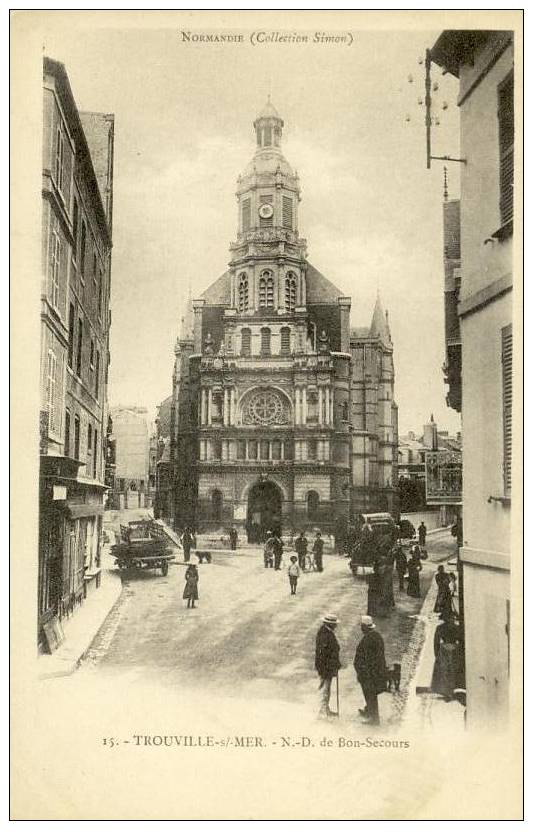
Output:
x=249 y=640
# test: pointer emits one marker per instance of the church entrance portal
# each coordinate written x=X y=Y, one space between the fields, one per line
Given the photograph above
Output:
x=264 y=511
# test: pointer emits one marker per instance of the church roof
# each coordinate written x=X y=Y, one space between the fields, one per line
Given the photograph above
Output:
x=319 y=288
x=219 y=292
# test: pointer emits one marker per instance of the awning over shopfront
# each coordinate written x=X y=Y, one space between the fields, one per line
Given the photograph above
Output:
x=74 y=511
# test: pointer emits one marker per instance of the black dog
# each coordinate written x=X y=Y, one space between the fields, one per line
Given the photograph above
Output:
x=394 y=675
x=203 y=555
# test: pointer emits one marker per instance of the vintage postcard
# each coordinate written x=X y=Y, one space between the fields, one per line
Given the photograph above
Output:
x=266 y=307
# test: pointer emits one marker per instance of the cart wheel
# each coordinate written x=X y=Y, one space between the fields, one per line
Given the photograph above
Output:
x=164 y=568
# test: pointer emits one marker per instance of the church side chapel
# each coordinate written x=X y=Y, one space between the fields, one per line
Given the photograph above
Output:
x=283 y=418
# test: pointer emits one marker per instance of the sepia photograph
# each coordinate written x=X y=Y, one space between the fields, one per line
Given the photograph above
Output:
x=266 y=476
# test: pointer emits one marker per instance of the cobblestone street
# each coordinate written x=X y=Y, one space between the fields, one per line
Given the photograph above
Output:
x=248 y=638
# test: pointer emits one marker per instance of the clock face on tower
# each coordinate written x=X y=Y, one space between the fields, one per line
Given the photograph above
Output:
x=266 y=211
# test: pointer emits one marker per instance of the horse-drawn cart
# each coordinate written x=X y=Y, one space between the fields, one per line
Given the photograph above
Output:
x=143 y=545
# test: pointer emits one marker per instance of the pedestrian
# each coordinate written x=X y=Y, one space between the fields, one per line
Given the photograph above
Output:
x=233 y=537
x=190 y=593
x=370 y=667
x=187 y=541
x=294 y=573
x=326 y=660
x=301 y=549
x=443 y=601
x=453 y=592
x=414 y=567
x=387 y=590
x=268 y=550
x=318 y=552
x=446 y=643
x=401 y=566
x=278 y=552
x=422 y=531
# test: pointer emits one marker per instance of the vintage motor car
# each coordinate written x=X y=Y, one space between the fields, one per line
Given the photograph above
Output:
x=143 y=544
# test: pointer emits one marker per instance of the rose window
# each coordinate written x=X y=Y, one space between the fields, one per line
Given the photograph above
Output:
x=265 y=408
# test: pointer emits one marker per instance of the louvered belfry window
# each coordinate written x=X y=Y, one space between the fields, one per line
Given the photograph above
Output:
x=507 y=385
x=246 y=214
x=266 y=290
x=287 y=212
x=290 y=291
x=243 y=293
x=506 y=138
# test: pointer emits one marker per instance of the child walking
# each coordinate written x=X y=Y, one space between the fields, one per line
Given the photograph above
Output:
x=294 y=573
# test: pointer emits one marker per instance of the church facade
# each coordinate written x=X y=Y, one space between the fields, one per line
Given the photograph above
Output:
x=282 y=416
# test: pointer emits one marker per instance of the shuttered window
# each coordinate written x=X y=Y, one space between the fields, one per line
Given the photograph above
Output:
x=507 y=383
x=80 y=347
x=95 y=454
x=67 y=433
x=506 y=138
x=51 y=388
x=246 y=214
x=60 y=154
x=55 y=267
x=75 y=230
x=287 y=212
x=246 y=342
x=265 y=341
x=71 y=336
x=285 y=334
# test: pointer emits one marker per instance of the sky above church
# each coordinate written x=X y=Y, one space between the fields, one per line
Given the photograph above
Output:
x=371 y=212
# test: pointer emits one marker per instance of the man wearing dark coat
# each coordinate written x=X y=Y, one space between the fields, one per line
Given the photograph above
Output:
x=233 y=536
x=318 y=552
x=301 y=549
x=370 y=667
x=326 y=660
x=422 y=531
x=401 y=565
x=278 y=551
x=187 y=542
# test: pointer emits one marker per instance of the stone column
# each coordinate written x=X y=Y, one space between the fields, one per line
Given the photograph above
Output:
x=226 y=407
x=331 y=406
x=225 y=450
x=203 y=408
x=209 y=405
x=297 y=409
x=270 y=450
x=304 y=405
x=326 y=450
x=320 y=406
x=282 y=450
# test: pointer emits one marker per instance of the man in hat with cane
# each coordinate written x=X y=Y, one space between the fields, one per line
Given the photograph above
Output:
x=370 y=667
x=327 y=662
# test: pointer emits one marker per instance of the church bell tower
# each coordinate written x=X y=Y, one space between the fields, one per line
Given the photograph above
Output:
x=268 y=260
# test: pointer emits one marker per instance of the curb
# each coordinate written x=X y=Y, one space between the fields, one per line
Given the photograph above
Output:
x=70 y=666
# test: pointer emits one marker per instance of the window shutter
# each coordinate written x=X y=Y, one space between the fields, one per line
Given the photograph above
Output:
x=51 y=387
x=246 y=214
x=506 y=139
x=246 y=341
x=287 y=212
x=285 y=341
x=507 y=383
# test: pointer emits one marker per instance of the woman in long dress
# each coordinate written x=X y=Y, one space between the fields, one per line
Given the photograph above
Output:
x=446 y=647
x=443 y=599
x=190 y=593
x=414 y=567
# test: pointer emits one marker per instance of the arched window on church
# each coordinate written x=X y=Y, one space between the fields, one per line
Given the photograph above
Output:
x=290 y=291
x=265 y=341
x=285 y=336
x=216 y=505
x=313 y=505
x=246 y=342
x=266 y=290
x=242 y=293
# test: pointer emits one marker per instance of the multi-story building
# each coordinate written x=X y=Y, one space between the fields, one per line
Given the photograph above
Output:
x=282 y=417
x=77 y=195
x=131 y=442
x=483 y=63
